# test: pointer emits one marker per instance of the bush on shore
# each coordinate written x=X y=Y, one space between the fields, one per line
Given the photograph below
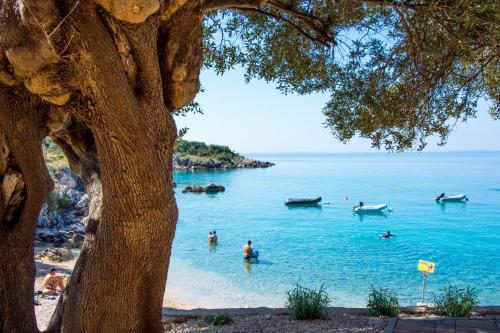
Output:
x=304 y=303
x=456 y=302
x=383 y=302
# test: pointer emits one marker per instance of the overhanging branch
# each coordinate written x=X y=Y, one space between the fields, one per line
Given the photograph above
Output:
x=212 y=5
x=293 y=25
x=395 y=3
x=300 y=21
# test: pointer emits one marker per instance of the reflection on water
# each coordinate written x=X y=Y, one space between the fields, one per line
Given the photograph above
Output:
x=212 y=248
x=442 y=205
x=247 y=264
x=304 y=207
x=367 y=214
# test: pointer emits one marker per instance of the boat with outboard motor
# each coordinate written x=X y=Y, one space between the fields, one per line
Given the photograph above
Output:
x=362 y=208
x=452 y=198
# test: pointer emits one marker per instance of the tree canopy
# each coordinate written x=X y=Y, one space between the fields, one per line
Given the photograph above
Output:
x=397 y=71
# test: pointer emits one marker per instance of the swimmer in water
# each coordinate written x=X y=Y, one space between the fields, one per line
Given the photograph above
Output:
x=386 y=235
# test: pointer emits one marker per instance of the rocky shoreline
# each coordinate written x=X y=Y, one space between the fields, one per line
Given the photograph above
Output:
x=188 y=164
x=62 y=218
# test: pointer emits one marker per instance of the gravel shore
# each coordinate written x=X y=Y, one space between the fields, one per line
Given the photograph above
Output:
x=336 y=323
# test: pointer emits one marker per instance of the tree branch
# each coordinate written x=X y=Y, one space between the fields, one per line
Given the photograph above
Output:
x=392 y=3
x=287 y=21
x=305 y=20
x=212 y=5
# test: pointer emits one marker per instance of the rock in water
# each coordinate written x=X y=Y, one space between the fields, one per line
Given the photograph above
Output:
x=54 y=255
x=210 y=188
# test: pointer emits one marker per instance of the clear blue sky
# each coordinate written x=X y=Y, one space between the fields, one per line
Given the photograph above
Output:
x=257 y=118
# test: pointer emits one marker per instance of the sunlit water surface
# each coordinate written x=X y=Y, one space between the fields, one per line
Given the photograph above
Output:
x=329 y=245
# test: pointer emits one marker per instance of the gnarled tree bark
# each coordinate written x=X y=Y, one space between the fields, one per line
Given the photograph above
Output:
x=25 y=183
x=78 y=144
x=134 y=135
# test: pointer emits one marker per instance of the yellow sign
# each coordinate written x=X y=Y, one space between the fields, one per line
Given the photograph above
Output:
x=426 y=266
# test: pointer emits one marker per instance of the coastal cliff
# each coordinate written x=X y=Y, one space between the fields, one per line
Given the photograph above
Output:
x=192 y=155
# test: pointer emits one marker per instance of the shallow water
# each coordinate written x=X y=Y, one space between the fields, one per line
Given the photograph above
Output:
x=329 y=244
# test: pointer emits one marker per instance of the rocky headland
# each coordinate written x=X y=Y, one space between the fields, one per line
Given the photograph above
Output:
x=192 y=155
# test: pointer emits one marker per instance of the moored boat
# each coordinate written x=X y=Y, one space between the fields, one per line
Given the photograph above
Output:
x=369 y=208
x=452 y=198
x=303 y=202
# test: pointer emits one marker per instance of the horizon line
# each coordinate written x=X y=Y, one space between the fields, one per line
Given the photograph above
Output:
x=371 y=152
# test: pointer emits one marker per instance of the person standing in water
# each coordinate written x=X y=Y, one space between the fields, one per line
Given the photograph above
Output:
x=248 y=252
x=212 y=238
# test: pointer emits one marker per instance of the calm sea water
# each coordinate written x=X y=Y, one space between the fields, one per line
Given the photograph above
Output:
x=329 y=245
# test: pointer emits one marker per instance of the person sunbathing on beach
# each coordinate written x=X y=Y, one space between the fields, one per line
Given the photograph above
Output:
x=53 y=282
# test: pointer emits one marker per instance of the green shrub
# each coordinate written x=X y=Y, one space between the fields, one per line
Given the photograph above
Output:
x=55 y=202
x=218 y=320
x=64 y=202
x=383 y=302
x=52 y=200
x=305 y=303
x=456 y=302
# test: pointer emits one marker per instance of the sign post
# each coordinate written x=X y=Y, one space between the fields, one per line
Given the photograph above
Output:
x=425 y=267
x=423 y=287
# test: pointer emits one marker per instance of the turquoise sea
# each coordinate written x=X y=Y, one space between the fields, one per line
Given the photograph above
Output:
x=329 y=244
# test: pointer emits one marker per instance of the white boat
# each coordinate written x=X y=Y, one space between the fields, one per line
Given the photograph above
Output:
x=452 y=198
x=372 y=208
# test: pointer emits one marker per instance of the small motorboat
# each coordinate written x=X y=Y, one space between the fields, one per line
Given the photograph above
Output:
x=302 y=202
x=452 y=198
x=369 y=209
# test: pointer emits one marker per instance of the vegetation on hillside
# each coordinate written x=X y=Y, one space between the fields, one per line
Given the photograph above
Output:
x=185 y=151
x=54 y=157
x=201 y=152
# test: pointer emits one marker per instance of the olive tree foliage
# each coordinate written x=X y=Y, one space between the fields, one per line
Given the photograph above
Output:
x=397 y=71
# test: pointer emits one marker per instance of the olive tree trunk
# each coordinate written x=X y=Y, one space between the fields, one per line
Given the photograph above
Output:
x=25 y=184
x=119 y=281
x=120 y=68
